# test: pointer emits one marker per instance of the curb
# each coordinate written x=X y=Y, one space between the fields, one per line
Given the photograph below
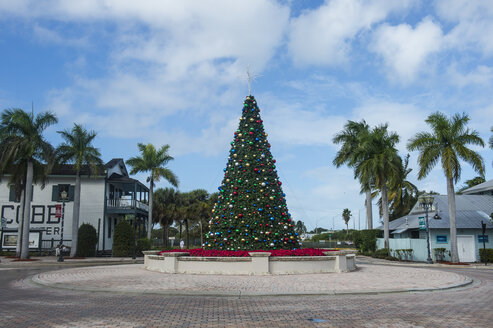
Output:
x=363 y=260
x=71 y=263
x=36 y=280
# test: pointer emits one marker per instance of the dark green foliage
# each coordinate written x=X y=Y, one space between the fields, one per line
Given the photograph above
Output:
x=122 y=239
x=251 y=211
x=365 y=240
x=489 y=254
x=88 y=238
x=143 y=244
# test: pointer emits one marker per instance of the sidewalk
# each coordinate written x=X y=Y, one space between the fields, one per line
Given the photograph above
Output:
x=53 y=261
x=371 y=260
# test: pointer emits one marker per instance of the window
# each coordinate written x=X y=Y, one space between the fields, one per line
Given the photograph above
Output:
x=480 y=238
x=414 y=234
x=442 y=239
x=16 y=198
x=56 y=195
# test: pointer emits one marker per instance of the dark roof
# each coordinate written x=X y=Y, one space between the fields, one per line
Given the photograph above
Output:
x=113 y=162
x=68 y=169
x=126 y=180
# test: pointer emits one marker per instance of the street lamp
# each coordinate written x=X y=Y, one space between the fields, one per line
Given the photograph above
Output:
x=64 y=199
x=426 y=202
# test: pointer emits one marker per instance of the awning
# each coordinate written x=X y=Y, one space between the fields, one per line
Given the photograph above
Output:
x=399 y=230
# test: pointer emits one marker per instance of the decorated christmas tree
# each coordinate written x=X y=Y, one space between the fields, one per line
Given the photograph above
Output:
x=251 y=211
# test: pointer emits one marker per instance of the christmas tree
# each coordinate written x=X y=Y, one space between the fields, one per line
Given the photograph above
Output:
x=251 y=211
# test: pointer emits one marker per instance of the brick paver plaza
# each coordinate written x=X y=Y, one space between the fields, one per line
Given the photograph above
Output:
x=135 y=278
x=25 y=304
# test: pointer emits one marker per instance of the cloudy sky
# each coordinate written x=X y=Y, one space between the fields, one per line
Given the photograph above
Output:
x=173 y=72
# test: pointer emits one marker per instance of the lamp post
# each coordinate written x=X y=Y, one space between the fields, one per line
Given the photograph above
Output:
x=64 y=199
x=426 y=202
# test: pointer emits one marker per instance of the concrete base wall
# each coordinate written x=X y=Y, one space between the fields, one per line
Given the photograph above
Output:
x=256 y=264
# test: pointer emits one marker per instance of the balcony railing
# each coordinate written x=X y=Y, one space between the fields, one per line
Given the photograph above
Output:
x=126 y=204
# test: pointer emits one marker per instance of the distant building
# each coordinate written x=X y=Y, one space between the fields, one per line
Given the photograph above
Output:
x=106 y=199
x=471 y=210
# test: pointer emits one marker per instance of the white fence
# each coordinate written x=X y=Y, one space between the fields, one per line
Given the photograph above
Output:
x=420 y=252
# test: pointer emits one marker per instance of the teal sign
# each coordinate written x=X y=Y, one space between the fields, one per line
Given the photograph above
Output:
x=422 y=223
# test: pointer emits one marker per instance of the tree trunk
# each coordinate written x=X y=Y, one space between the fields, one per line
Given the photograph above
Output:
x=21 y=223
x=75 y=216
x=165 y=235
x=188 y=234
x=454 y=254
x=201 y=233
x=369 y=211
x=385 y=210
x=149 y=222
x=27 y=211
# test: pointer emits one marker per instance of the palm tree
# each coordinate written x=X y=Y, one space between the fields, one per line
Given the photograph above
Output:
x=352 y=139
x=77 y=148
x=346 y=216
x=22 y=143
x=403 y=194
x=300 y=227
x=471 y=183
x=165 y=209
x=447 y=144
x=379 y=163
x=153 y=161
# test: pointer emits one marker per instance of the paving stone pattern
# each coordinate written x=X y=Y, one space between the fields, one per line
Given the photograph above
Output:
x=135 y=278
x=23 y=305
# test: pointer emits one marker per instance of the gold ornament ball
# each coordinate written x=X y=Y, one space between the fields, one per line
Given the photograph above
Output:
x=271 y=198
x=235 y=155
x=247 y=164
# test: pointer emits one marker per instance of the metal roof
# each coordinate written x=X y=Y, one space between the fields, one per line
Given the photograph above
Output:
x=470 y=211
x=485 y=186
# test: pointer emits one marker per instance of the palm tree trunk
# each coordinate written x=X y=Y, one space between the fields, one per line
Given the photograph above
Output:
x=149 y=222
x=21 y=223
x=27 y=211
x=454 y=254
x=369 y=211
x=188 y=234
x=165 y=235
x=385 y=210
x=75 y=216
x=181 y=223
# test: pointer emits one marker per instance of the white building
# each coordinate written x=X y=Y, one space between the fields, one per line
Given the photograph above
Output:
x=106 y=199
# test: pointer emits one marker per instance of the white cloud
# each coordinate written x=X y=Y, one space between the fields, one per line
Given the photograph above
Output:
x=405 y=50
x=481 y=75
x=474 y=24
x=323 y=36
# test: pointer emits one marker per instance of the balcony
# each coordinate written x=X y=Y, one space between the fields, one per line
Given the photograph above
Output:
x=124 y=204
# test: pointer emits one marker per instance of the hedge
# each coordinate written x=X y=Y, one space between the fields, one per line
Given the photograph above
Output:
x=87 y=240
x=122 y=239
x=143 y=244
x=489 y=254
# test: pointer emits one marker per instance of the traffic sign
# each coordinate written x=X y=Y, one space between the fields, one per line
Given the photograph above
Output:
x=422 y=223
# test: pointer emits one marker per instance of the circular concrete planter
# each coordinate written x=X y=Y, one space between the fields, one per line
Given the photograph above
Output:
x=257 y=264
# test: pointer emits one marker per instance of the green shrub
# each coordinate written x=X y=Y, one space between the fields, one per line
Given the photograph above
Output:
x=143 y=244
x=439 y=253
x=122 y=239
x=365 y=240
x=489 y=254
x=87 y=240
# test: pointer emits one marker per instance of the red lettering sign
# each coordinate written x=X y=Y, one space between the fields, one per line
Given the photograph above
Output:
x=58 y=210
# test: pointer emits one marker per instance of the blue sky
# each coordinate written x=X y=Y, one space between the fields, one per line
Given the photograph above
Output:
x=173 y=72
